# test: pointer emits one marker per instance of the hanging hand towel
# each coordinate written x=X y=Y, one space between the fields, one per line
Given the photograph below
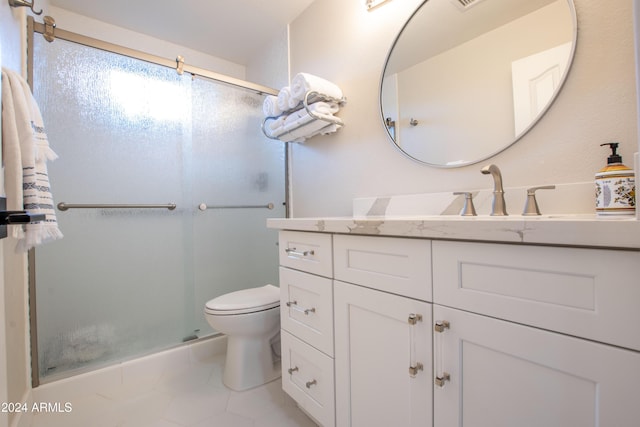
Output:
x=26 y=150
x=304 y=82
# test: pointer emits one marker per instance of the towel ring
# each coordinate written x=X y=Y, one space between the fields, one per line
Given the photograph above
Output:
x=25 y=3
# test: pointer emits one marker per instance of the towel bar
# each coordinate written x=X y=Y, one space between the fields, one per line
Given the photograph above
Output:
x=66 y=206
x=204 y=206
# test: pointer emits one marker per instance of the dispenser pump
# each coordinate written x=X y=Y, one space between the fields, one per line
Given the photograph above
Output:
x=614 y=157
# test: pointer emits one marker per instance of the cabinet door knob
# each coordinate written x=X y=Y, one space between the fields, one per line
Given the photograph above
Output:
x=310 y=383
x=414 y=318
x=413 y=370
x=292 y=370
x=440 y=381
x=441 y=325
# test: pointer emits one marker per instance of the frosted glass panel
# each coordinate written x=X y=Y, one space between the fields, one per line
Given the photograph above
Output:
x=127 y=282
x=233 y=165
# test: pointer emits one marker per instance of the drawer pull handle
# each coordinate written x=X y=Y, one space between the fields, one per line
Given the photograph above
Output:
x=292 y=370
x=306 y=311
x=440 y=381
x=310 y=383
x=295 y=252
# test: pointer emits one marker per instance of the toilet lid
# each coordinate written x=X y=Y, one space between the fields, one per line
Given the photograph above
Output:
x=245 y=301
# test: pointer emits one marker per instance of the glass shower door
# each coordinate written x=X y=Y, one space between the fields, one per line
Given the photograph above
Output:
x=236 y=173
x=131 y=281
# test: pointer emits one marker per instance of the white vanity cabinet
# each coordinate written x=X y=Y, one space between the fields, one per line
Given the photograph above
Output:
x=306 y=319
x=499 y=359
x=383 y=357
x=455 y=333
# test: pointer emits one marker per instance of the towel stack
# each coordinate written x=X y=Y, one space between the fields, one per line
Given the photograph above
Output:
x=25 y=150
x=287 y=118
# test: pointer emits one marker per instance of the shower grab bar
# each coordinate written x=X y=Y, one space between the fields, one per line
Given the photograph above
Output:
x=66 y=206
x=204 y=206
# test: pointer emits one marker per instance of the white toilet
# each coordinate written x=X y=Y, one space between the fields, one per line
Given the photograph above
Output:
x=251 y=320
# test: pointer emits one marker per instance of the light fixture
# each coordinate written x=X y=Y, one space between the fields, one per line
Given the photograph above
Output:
x=372 y=4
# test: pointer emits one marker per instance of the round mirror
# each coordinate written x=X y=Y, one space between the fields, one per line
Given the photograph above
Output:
x=465 y=79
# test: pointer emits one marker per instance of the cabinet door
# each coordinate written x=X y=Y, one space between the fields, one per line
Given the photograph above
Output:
x=376 y=346
x=503 y=374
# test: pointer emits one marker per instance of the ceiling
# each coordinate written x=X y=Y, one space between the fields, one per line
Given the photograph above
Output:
x=229 y=29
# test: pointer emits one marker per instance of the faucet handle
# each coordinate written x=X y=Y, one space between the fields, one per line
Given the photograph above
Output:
x=531 y=206
x=468 y=209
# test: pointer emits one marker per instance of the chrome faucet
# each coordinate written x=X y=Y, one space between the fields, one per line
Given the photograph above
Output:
x=498 y=207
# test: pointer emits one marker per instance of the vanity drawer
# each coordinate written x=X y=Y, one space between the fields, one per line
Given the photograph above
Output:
x=306 y=308
x=309 y=252
x=589 y=293
x=307 y=376
x=396 y=265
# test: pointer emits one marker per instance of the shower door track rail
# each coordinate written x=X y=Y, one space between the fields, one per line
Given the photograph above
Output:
x=178 y=63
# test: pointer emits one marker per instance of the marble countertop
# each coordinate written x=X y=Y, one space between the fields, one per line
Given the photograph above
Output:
x=564 y=230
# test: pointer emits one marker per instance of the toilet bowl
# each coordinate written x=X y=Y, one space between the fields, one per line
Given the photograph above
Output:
x=251 y=320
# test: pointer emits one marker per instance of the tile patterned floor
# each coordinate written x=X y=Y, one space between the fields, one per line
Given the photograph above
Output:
x=191 y=397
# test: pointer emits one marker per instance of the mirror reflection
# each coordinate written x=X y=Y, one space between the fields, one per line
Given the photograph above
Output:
x=465 y=79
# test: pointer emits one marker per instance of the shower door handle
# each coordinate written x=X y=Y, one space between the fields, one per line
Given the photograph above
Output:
x=15 y=217
x=19 y=217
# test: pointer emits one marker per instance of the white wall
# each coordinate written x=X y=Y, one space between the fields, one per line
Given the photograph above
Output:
x=344 y=43
x=271 y=66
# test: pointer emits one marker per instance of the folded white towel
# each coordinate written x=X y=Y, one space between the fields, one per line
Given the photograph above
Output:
x=304 y=82
x=322 y=109
x=274 y=127
x=26 y=141
x=324 y=131
x=270 y=106
x=283 y=98
x=306 y=131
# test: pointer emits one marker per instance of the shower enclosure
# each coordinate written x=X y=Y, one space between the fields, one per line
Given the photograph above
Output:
x=132 y=274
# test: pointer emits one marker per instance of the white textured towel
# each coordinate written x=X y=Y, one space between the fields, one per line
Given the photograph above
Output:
x=304 y=82
x=270 y=106
x=312 y=128
x=25 y=153
x=296 y=122
x=283 y=98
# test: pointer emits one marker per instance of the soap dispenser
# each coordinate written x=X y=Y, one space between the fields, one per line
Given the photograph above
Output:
x=615 y=186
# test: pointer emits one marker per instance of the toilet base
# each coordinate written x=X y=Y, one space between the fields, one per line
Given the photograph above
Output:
x=250 y=362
